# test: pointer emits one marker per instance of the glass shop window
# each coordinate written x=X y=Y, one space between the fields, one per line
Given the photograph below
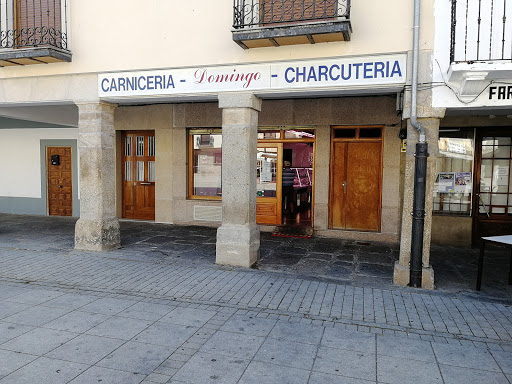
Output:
x=205 y=163
x=454 y=182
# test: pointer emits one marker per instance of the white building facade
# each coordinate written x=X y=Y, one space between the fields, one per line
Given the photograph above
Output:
x=128 y=109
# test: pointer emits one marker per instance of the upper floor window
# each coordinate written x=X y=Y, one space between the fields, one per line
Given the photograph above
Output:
x=259 y=23
x=481 y=30
x=33 y=32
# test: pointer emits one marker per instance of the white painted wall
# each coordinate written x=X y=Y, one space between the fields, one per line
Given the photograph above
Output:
x=117 y=35
x=446 y=94
x=20 y=174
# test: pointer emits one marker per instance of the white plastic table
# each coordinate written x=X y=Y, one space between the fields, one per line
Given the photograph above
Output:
x=504 y=241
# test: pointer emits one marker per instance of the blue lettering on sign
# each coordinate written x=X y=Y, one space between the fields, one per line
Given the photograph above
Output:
x=103 y=86
x=131 y=83
x=143 y=86
x=322 y=72
x=334 y=78
x=134 y=83
x=288 y=79
x=379 y=68
x=343 y=72
x=396 y=69
x=312 y=74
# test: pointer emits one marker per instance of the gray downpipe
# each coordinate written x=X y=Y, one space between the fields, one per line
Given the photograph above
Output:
x=420 y=163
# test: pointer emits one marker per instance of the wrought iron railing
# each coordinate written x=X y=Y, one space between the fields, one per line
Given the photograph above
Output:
x=254 y=13
x=481 y=30
x=33 y=23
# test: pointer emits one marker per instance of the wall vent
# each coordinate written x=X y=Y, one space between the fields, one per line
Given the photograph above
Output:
x=207 y=213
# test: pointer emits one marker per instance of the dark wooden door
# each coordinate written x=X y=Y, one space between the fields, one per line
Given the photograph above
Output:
x=59 y=181
x=139 y=175
x=356 y=185
x=493 y=185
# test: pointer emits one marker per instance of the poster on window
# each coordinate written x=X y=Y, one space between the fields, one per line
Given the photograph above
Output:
x=463 y=182
x=445 y=182
x=266 y=171
x=500 y=175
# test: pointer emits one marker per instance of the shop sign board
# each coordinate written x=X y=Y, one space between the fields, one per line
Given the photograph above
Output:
x=337 y=73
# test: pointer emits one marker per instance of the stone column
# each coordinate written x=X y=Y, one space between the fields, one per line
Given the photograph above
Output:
x=98 y=227
x=238 y=238
x=401 y=274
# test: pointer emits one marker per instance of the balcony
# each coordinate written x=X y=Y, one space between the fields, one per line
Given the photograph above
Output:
x=33 y=32
x=481 y=44
x=269 y=23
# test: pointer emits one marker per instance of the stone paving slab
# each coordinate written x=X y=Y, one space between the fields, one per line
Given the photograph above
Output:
x=421 y=312
x=121 y=317
x=227 y=344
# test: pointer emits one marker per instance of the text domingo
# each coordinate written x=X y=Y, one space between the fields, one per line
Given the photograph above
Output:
x=203 y=77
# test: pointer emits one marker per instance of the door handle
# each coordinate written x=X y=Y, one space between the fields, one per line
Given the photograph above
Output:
x=60 y=186
x=483 y=204
x=344 y=186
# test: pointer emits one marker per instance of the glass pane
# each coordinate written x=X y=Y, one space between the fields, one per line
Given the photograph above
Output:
x=498 y=210
x=140 y=171
x=344 y=133
x=488 y=141
x=269 y=134
x=499 y=199
x=207 y=164
x=151 y=146
x=502 y=152
x=503 y=141
x=128 y=171
x=486 y=176
x=454 y=183
x=266 y=173
x=299 y=134
x=484 y=202
x=140 y=145
x=128 y=146
x=370 y=132
x=501 y=176
x=151 y=171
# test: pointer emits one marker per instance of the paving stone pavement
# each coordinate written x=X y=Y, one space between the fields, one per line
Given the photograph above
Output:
x=149 y=313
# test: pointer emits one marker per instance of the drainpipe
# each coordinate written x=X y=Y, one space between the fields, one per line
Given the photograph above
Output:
x=420 y=164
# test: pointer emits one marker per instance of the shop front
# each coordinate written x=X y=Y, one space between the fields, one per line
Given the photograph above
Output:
x=473 y=189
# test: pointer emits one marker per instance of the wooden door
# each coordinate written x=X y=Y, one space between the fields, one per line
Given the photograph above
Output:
x=59 y=181
x=493 y=185
x=356 y=185
x=139 y=175
x=268 y=184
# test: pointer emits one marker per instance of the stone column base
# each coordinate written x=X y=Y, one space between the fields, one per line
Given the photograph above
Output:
x=238 y=245
x=97 y=235
x=427 y=278
x=402 y=276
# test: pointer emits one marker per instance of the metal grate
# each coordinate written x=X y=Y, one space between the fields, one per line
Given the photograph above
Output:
x=481 y=30
x=207 y=213
x=33 y=23
x=251 y=13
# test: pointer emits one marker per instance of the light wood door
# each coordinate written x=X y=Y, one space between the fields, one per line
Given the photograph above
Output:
x=268 y=184
x=139 y=175
x=59 y=181
x=356 y=185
